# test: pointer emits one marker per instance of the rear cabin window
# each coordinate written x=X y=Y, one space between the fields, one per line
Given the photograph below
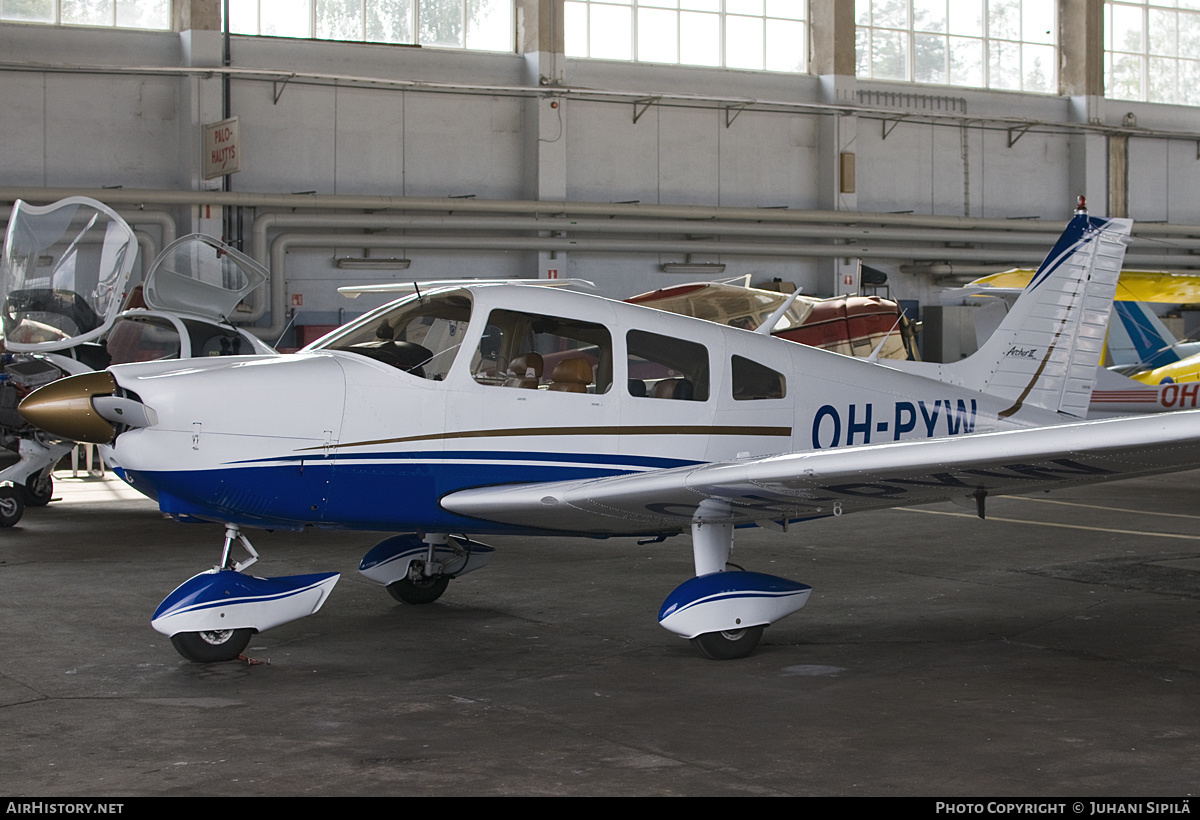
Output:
x=533 y=351
x=753 y=381
x=663 y=367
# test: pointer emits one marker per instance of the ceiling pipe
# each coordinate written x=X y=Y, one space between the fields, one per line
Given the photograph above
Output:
x=659 y=246
x=380 y=221
x=332 y=202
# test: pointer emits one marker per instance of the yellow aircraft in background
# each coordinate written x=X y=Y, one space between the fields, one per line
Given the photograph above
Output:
x=1159 y=357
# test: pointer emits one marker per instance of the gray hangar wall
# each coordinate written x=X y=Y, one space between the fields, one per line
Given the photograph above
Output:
x=88 y=108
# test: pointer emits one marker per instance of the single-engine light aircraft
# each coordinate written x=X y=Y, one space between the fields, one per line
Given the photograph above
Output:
x=518 y=409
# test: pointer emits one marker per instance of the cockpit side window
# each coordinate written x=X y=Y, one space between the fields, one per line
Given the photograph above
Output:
x=663 y=367
x=753 y=381
x=533 y=351
x=420 y=336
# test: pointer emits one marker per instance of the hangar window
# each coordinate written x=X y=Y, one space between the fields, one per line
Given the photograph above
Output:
x=767 y=35
x=544 y=352
x=1004 y=44
x=1152 y=51
x=483 y=25
x=144 y=14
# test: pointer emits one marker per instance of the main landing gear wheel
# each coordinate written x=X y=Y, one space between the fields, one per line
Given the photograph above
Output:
x=424 y=591
x=729 y=645
x=39 y=491
x=213 y=646
x=12 y=505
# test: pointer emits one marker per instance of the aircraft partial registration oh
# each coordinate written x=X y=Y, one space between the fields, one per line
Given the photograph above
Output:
x=527 y=410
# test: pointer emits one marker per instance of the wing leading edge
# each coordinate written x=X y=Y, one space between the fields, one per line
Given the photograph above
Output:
x=814 y=484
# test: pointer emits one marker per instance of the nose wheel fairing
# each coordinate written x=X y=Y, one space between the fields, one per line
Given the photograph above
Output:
x=224 y=599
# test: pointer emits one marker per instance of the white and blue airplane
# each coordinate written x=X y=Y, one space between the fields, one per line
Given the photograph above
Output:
x=516 y=409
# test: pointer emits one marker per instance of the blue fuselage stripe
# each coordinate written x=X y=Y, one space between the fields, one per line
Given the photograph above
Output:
x=396 y=494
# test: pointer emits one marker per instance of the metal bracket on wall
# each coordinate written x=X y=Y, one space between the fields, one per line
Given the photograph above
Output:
x=644 y=106
x=278 y=86
x=1023 y=129
x=737 y=109
x=894 y=123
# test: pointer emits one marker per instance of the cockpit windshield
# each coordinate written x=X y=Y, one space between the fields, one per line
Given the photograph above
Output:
x=420 y=335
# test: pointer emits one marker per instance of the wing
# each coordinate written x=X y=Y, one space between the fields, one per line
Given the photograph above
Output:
x=814 y=484
x=1134 y=286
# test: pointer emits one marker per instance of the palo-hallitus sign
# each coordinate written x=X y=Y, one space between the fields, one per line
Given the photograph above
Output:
x=222 y=148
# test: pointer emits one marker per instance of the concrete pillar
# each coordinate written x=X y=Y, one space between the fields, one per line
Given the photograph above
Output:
x=832 y=27
x=199 y=25
x=540 y=39
x=196 y=15
x=1081 y=77
x=1081 y=45
x=832 y=60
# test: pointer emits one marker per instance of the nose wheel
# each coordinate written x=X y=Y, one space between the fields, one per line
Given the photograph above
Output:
x=212 y=646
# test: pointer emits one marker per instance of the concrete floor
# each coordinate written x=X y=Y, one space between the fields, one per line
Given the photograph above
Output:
x=1048 y=651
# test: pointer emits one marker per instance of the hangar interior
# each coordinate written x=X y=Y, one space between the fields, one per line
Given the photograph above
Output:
x=532 y=162
x=1049 y=650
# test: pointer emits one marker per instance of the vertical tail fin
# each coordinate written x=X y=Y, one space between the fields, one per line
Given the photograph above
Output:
x=1046 y=351
x=1151 y=341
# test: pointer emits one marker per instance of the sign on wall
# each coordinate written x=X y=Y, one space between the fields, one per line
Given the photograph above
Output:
x=222 y=151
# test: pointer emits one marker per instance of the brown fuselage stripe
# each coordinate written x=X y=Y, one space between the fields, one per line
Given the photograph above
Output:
x=674 y=430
